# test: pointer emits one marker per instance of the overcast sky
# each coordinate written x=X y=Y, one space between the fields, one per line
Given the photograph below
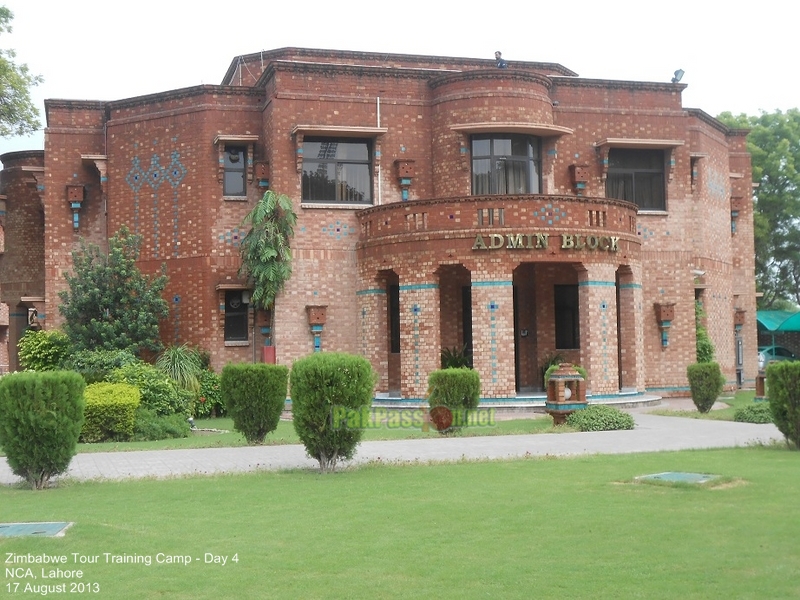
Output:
x=738 y=56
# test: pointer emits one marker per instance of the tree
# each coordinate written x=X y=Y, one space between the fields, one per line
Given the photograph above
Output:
x=110 y=304
x=266 y=255
x=18 y=115
x=774 y=144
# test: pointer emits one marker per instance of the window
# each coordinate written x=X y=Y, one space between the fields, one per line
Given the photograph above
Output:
x=235 y=316
x=567 y=331
x=506 y=164
x=233 y=183
x=337 y=170
x=637 y=176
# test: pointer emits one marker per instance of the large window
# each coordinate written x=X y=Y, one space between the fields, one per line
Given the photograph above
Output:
x=637 y=176
x=505 y=164
x=233 y=183
x=337 y=170
x=567 y=321
x=235 y=316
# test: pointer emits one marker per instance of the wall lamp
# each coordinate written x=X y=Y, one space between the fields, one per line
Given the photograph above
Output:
x=678 y=76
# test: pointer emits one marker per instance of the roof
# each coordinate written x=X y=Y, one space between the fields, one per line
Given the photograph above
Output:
x=778 y=320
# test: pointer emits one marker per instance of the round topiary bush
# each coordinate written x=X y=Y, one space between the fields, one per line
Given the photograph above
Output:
x=599 y=417
x=754 y=413
x=41 y=415
x=451 y=394
x=325 y=388
x=783 y=379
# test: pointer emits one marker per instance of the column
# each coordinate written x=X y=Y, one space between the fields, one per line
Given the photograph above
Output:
x=420 y=339
x=493 y=337
x=631 y=329
x=597 y=289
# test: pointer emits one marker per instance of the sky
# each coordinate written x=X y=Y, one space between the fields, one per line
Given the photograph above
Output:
x=737 y=56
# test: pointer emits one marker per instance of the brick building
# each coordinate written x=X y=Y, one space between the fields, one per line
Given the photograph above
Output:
x=442 y=203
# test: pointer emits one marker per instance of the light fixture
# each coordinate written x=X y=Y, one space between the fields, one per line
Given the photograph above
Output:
x=678 y=76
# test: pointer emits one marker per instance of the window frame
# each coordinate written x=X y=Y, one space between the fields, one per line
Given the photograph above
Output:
x=638 y=173
x=531 y=162
x=235 y=317
x=340 y=169
x=239 y=167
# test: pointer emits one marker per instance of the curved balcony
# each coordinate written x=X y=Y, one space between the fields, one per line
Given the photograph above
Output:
x=541 y=227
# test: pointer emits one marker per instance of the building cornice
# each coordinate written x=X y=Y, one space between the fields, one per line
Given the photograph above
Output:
x=617 y=84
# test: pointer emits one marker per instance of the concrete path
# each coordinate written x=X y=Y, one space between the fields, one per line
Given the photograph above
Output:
x=651 y=434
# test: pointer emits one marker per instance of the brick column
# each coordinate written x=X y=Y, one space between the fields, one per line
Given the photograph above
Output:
x=631 y=329
x=493 y=337
x=420 y=339
x=373 y=330
x=598 y=321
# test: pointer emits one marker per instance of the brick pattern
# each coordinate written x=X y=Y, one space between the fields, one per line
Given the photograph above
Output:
x=162 y=180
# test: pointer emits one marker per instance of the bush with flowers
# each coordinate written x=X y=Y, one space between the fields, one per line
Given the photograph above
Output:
x=208 y=403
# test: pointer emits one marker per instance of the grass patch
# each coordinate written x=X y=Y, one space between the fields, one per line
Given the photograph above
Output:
x=285 y=434
x=740 y=399
x=555 y=528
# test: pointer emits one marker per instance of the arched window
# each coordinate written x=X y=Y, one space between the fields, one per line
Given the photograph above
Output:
x=506 y=163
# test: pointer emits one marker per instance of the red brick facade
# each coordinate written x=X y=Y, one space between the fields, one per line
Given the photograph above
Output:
x=466 y=267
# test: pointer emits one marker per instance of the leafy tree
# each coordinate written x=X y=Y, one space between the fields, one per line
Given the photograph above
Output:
x=266 y=255
x=774 y=144
x=43 y=350
x=110 y=304
x=18 y=115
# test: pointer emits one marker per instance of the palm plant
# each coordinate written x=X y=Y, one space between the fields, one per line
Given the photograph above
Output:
x=266 y=255
x=183 y=365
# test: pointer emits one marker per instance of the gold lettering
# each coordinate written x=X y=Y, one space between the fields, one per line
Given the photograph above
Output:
x=567 y=241
x=497 y=241
x=529 y=245
x=541 y=240
x=614 y=246
x=479 y=243
x=604 y=242
x=592 y=242
x=579 y=243
x=514 y=241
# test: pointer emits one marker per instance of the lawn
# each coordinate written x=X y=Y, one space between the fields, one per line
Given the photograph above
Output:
x=740 y=399
x=537 y=528
x=285 y=434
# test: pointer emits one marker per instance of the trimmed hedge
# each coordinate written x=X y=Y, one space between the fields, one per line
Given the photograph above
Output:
x=324 y=383
x=41 y=415
x=159 y=392
x=599 y=417
x=754 y=413
x=151 y=426
x=458 y=390
x=783 y=379
x=705 y=381
x=110 y=412
x=254 y=396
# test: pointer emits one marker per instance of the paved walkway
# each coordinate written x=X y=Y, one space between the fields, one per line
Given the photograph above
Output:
x=652 y=433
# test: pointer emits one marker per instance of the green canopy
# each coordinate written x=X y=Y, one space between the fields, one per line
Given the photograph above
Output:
x=778 y=320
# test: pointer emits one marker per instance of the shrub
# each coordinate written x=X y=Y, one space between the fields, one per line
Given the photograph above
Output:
x=110 y=412
x=41 y=415
x=97 y=365
x=43 y=350
x=599 y=417
x=457 y=390
x=321 y=383
x=754 y=413
x=254 y=396
x=150 y=426
x=705 y=381
x=581 y=371
x=209 y=401
x=455 y=358
x=159 y=392
x=183 y=365
x=783 y=379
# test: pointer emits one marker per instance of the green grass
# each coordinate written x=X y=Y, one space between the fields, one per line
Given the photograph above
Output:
x=539 y=528
x=285 y=434
x=740 y=399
